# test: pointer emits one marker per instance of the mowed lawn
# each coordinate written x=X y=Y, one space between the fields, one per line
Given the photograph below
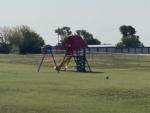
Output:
x=23 y=90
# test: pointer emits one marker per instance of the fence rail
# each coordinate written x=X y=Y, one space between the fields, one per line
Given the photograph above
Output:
x=140 y=50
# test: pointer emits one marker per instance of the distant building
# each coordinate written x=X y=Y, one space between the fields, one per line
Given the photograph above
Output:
x=92 y=46
x=114 y=49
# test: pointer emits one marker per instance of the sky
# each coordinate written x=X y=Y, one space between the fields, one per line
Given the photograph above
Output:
x=102 y=18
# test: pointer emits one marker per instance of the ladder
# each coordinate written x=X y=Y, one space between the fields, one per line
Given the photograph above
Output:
x=81 y=63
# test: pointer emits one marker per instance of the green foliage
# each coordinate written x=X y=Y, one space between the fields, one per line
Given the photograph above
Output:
x=127 y=30
x=4 y=48
x=63 y=32
x=4 y=40
x=4 y=35
x=26 y=39
x=88 y=37
x=129 y=39
x=21 y=37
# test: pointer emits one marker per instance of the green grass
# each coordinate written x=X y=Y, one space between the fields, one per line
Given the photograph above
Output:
x=23 y=90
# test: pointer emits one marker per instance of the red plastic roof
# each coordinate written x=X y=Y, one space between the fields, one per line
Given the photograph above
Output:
x=75 y=42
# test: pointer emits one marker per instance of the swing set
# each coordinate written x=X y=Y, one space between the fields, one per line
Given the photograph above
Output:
x=75 y=48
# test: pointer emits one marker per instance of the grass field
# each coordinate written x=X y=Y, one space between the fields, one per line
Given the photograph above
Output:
x=23 y=90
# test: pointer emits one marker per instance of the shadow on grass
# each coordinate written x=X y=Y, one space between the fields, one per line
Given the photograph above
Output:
x=92 y=72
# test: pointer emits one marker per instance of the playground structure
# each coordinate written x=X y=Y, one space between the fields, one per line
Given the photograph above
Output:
x=75 y=48
x=46 y=49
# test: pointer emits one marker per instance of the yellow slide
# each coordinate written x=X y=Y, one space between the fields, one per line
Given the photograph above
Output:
x=66 y=61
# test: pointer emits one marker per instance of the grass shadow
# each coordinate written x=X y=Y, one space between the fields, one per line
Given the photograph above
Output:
x=92 y=72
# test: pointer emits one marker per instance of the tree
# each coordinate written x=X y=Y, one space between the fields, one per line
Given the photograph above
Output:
x=63 y=33
x=129 y=37
x=26 y=39
x=21 y=37
x=127 y=30
x=4 y=34
x=4 y=40
x=88 y=37
x=4 y=48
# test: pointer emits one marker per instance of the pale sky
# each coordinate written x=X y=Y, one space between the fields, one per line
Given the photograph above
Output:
x=102 y=18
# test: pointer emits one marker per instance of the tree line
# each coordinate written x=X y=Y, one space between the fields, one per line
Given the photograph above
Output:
x=21 y=39
x=64 y=32
x=24 y=40
x=129 y=37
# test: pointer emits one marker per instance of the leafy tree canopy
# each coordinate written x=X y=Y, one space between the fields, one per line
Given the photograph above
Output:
x=129 y=37
x=64 y=32
x=22 y=37
x=88 y=37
